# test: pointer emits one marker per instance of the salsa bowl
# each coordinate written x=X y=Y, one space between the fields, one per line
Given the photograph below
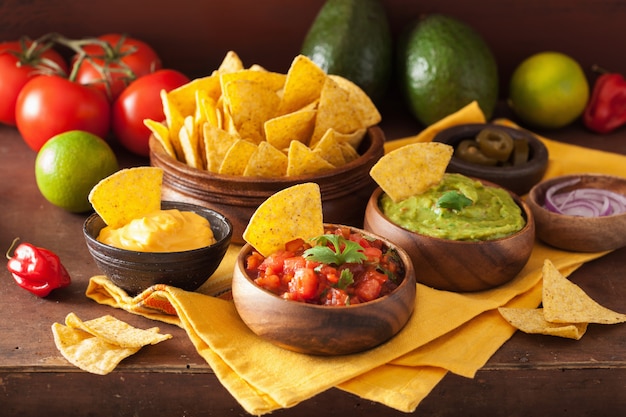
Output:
x=457 y=265
x=320 y=329
x=345 y=190
x=516 y=178
x=135 y=271
x=578 y=233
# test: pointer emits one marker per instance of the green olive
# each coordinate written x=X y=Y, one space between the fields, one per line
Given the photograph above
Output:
x=495 y=143
x=469 y=151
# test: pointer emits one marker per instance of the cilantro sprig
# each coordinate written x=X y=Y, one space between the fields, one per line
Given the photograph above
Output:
x=335 y=249
x=454 y=200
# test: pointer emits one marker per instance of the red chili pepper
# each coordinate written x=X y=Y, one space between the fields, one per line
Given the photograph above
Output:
x=606 y=110
x=37 y=270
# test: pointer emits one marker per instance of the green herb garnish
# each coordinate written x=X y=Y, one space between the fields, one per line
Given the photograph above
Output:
x=345 y=279
x=342 y=250
x=454 y=200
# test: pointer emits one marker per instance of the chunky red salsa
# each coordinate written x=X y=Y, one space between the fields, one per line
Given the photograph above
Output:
x=340 y=268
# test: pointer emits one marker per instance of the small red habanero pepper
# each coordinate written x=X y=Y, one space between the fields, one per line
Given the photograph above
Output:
x=37 y=270
x=606 y=109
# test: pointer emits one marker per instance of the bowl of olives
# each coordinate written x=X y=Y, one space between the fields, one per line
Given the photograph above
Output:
x=512 y=158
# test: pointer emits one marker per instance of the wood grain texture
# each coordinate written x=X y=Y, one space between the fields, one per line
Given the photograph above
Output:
x=454 y=265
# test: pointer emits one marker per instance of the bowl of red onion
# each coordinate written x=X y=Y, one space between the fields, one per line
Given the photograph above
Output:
x=580 y=212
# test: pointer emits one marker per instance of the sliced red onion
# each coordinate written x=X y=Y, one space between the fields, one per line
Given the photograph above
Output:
x=585 y=202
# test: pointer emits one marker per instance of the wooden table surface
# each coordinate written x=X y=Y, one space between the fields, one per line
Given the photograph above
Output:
x=529 y=376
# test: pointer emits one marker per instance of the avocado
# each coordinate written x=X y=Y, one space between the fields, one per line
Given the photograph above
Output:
x=444 y=64
x=352 y=38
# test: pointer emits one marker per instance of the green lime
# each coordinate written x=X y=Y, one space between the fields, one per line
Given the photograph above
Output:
x=69 y=165
x=548 y=90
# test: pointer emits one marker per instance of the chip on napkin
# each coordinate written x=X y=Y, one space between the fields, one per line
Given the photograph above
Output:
x=566 y=311
x=99 y=345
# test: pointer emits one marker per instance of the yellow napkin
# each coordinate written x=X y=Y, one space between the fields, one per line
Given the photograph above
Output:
x=448 y=332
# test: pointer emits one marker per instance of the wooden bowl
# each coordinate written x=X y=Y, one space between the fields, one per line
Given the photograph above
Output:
x=323 y=330
x=136 y=271
x=574 y=233
x=518 y=179
x=345 y=190
x=460 y=266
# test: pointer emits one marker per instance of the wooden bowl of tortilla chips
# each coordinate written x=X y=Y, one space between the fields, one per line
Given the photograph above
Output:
x=232 y=139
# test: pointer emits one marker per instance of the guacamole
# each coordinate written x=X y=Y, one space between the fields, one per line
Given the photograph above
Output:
x=491 y=214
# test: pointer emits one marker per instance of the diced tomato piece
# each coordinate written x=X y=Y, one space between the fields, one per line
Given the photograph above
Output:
x=304 y=284
x=336 y=297
x=269 y=282
x=331 y=273
x=290 y=265
x=373 y=255
x=368 y=288
x=254 y=260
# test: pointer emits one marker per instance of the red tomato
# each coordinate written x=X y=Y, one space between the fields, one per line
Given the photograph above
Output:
x=141 y=100
x=19 y=62
x=120 y=62
x=50 y=104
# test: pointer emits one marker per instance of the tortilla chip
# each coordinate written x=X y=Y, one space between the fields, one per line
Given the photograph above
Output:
x=566 y=302
x=162 y=134
x=532 y=320
x=294 y=212
x=230 y=63
x=281 y=130
x=237 y=157
x=349 y=153
x=216 y=144
x=412 y=169
x=301 y=160
x=88 y=352
x=355 y=138
x=271 y=80
x=184 y=97
x=99 y=345
x=127 y=194
x=189 y=142
x=360 y=101
x=117 y=332
x=174 y=121
x=334 y=111
x=266 y=161
x=329 y=149
x=250 y=104
x=303 y=84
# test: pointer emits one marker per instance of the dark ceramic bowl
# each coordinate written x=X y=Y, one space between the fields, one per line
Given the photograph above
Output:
x=323 y=330
x=135 y=271
x=345 y=190
x=518 y=179
x=575 y=233
x=452 y=265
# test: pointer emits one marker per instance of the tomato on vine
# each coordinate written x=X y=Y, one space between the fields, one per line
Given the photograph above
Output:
x=113 y=61
x=20 y=61
x=141 y=100
x=51 y=104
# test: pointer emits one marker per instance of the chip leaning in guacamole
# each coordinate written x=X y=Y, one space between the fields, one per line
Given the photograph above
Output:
x=458 y=208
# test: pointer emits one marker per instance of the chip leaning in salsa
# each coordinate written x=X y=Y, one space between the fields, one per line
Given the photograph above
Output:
x=339 y=268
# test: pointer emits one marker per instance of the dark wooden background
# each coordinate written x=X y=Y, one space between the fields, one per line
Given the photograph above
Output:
x=193 y=36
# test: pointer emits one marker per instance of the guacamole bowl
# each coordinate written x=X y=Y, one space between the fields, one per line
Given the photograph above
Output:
x=345 y=189
x=321 y=329
x=135 y=271
x=518 y=178
x=578 y=232
x=458 y=265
